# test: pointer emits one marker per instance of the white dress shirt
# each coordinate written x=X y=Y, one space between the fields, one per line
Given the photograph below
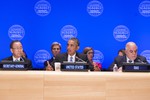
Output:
x=71 y=58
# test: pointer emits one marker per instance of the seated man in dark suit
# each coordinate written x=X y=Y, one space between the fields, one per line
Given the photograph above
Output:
x=55 y=49
x=130 y=57
x=121 y=52
x=72 y=55
x=17 y=49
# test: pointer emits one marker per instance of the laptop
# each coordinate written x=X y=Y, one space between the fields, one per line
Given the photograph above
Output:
x=74 y=66
x=135 y=67
x=10 y=65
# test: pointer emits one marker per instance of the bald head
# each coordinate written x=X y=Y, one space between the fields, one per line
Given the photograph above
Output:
x=130 y=44
x=131 y=50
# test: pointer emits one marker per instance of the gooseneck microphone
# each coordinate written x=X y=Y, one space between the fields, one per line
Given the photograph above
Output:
x=79 y=59
x=22 y=59
x=139 y=60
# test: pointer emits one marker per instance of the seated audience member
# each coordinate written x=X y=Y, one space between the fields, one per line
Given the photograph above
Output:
x=55 y=49
x=130 y=56
x=72 y=55
x=90 y=54
x=16 y=49
x=121 y=52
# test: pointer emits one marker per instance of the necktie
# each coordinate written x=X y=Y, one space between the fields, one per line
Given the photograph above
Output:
x=130 y=61
x=16 y=60
x=71 y=59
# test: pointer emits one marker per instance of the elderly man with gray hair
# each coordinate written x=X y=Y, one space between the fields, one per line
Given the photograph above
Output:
x=55 y=49
x=131 y=56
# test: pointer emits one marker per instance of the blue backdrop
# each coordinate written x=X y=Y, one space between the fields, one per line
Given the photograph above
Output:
x=105 y=25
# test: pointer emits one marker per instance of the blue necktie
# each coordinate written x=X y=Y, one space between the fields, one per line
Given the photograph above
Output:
x=71 y=59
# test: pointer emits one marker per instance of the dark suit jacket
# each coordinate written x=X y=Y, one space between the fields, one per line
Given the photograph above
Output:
x=29 y=63
x=64 y=57
x=51 y=62
x=120 y=59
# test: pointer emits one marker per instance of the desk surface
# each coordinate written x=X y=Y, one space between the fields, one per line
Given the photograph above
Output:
x=46 y=85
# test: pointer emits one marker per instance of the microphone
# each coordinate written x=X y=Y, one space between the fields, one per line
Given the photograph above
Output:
x=79 y=59
x=139 y=60
x=22 y=59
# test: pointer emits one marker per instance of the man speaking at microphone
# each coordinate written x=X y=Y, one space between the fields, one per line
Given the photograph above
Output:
x=72 y=55
x=16 y=49
x=130 y=56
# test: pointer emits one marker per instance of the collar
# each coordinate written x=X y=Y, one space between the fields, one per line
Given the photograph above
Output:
x=129 y=59
x=16 y=59
x=72 y=57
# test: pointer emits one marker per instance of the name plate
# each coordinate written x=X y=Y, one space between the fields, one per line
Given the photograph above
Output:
x=74 y=67
x=136 y=67
x=13 y=66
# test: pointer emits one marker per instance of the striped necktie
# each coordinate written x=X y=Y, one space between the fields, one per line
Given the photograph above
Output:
x=71 y=59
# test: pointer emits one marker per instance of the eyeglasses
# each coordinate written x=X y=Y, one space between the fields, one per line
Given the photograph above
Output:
x=90 y=53
x=56 y=48
x=131 y=51
x=17 y=48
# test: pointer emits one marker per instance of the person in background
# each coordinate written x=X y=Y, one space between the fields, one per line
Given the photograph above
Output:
x=72 y=55
x=90 y=54
x=121 y=52
x=16 y=49
x=55 y=49
x=130 y=56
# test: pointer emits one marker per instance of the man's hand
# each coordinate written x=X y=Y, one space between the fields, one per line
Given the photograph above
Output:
x=49 y=67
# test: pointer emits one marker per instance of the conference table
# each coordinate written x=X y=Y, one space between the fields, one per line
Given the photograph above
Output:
x=51 y=85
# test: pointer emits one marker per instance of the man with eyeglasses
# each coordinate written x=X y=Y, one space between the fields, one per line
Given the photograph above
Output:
x=130 y=56
x=16 y=49
x=55 y=49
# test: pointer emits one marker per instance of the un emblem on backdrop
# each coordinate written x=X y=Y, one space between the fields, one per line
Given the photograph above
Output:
x=68 y=32
x=95 y=8
x=144 y=8
x=16 y=32
x=121 y=33
x=146 y=54
x=41 y=56
x=42 y=8
x=98 y=56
